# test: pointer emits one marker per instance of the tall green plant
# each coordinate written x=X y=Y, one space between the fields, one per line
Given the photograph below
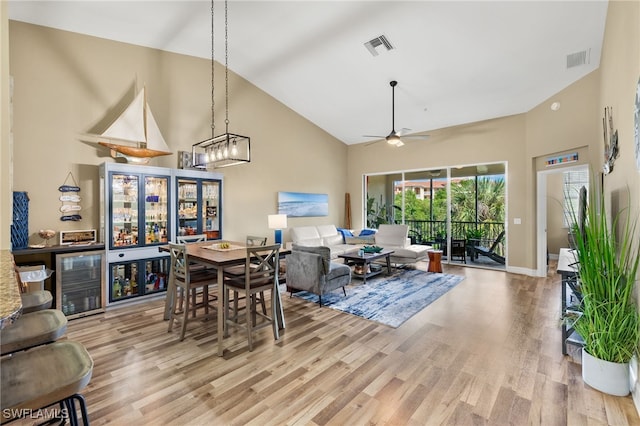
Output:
x=607 y=267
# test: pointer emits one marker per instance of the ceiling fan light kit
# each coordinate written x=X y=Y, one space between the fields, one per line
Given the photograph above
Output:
x=394 y=138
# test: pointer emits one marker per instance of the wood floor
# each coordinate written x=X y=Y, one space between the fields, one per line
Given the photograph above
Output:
x=487 y=352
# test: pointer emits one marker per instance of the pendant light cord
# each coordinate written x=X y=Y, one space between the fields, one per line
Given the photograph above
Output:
x=226 y=66
x=213 y=101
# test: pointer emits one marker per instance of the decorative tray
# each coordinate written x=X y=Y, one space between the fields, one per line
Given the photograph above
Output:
x=371 y=249
x=219 y=247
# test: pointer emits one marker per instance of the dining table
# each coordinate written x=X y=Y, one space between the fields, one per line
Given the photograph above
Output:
x=10 y=300
x=213 y=254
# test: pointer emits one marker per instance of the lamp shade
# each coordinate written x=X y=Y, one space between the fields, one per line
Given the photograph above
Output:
x=277 y=221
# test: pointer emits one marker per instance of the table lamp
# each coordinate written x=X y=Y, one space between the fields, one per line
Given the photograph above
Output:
x=277 y=222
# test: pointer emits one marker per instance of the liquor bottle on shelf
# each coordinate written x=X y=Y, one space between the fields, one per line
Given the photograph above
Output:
x=117 y=289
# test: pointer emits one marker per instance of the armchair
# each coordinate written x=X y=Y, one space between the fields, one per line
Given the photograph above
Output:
x=396 y=238
x=311 y=269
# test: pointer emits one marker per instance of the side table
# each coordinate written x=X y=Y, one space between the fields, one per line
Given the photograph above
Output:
x=435 y=261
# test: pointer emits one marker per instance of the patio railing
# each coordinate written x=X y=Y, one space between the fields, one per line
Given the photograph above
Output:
x=431 y=231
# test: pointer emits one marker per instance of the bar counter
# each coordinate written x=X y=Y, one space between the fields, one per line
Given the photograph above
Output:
x=10 y=301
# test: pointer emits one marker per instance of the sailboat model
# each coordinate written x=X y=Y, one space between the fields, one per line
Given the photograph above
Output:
x=135 y=134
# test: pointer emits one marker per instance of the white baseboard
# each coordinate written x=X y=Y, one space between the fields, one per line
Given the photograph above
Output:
x=522 y=271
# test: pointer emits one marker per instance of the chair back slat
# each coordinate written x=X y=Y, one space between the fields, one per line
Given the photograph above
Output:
x=262 y=264
x=183 y=239
x=253 y=240
x=179 y=260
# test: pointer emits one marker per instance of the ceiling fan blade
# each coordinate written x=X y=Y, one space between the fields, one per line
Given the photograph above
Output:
x=421 y=137
x=373 y=142
x=373 y=136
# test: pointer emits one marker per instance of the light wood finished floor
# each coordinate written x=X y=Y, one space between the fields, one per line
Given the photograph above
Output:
x=487 y=352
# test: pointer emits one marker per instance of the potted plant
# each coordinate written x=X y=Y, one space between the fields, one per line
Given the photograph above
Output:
x=608 y=318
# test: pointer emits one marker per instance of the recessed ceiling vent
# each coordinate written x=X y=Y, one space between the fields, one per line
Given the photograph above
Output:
x=373 y=45
x=578 y=58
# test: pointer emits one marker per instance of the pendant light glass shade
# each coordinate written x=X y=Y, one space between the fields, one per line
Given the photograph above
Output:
x=224 y=150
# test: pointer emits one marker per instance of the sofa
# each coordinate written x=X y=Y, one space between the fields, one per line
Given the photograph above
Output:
x=396 y=238
x=311 y=269
x=322 y=235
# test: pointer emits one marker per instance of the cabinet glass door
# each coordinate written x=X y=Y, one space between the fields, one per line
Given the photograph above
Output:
x=156 y=275
x=124 y=281
x=124 y=210
x=79 y=283
x=156 y=209
x=187 y=207
x=211 y=209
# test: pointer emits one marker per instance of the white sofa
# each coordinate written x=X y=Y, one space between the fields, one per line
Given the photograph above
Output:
x=396 y=238
x=322 y=235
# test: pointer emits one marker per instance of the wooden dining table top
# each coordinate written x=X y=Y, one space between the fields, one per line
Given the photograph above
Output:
x=210 y=252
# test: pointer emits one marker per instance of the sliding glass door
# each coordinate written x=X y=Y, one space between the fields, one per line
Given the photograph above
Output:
x=463 y=206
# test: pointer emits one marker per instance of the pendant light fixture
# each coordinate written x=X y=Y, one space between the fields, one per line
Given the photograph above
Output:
x=227 y=149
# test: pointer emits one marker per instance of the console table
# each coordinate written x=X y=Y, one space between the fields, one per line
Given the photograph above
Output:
x=567 y=268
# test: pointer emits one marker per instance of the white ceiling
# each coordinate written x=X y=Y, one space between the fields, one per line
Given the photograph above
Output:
x=455 y=62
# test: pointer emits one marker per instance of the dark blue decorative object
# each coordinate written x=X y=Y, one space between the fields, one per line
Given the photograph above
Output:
x=20 y=225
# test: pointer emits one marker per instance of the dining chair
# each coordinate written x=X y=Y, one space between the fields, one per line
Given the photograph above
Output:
x=186 y=239
x=251 y=241
x=183 y=239
x=183 y=278
x=260 y=275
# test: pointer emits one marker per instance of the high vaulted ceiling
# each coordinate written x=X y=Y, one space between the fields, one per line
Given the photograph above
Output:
x=455 y=62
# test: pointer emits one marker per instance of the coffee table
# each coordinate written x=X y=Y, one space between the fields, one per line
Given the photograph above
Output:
x=365 y=260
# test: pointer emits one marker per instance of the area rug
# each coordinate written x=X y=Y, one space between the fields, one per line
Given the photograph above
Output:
x=388 y=300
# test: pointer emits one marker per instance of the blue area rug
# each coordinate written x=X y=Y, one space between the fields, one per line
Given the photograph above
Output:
x=388 y=300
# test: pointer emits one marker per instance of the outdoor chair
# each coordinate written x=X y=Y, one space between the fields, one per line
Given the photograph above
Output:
x=491 y=251
x=458 y=250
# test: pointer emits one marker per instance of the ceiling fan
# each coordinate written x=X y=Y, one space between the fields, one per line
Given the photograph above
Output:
x=393 y=138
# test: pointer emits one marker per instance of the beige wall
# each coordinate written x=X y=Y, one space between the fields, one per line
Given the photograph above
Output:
x=68 y=84
x=86 y=79
x=6 y=200
x=525 y=140
x=620 y=71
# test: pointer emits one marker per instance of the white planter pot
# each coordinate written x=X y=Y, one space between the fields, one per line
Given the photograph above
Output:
x=605 y=376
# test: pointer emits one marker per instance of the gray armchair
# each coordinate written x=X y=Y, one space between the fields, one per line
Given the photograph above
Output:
x=311 y=269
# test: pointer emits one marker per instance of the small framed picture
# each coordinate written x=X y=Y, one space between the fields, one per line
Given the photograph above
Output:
x=84 y=237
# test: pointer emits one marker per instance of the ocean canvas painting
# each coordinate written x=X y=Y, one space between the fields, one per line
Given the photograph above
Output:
x=302 y=204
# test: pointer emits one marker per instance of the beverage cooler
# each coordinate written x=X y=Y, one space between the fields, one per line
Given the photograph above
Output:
x=198 y=204
x=144 y=207
x=79 y=289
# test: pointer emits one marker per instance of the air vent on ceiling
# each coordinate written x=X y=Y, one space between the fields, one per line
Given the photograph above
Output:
x=373 y=44
x=578 y=58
